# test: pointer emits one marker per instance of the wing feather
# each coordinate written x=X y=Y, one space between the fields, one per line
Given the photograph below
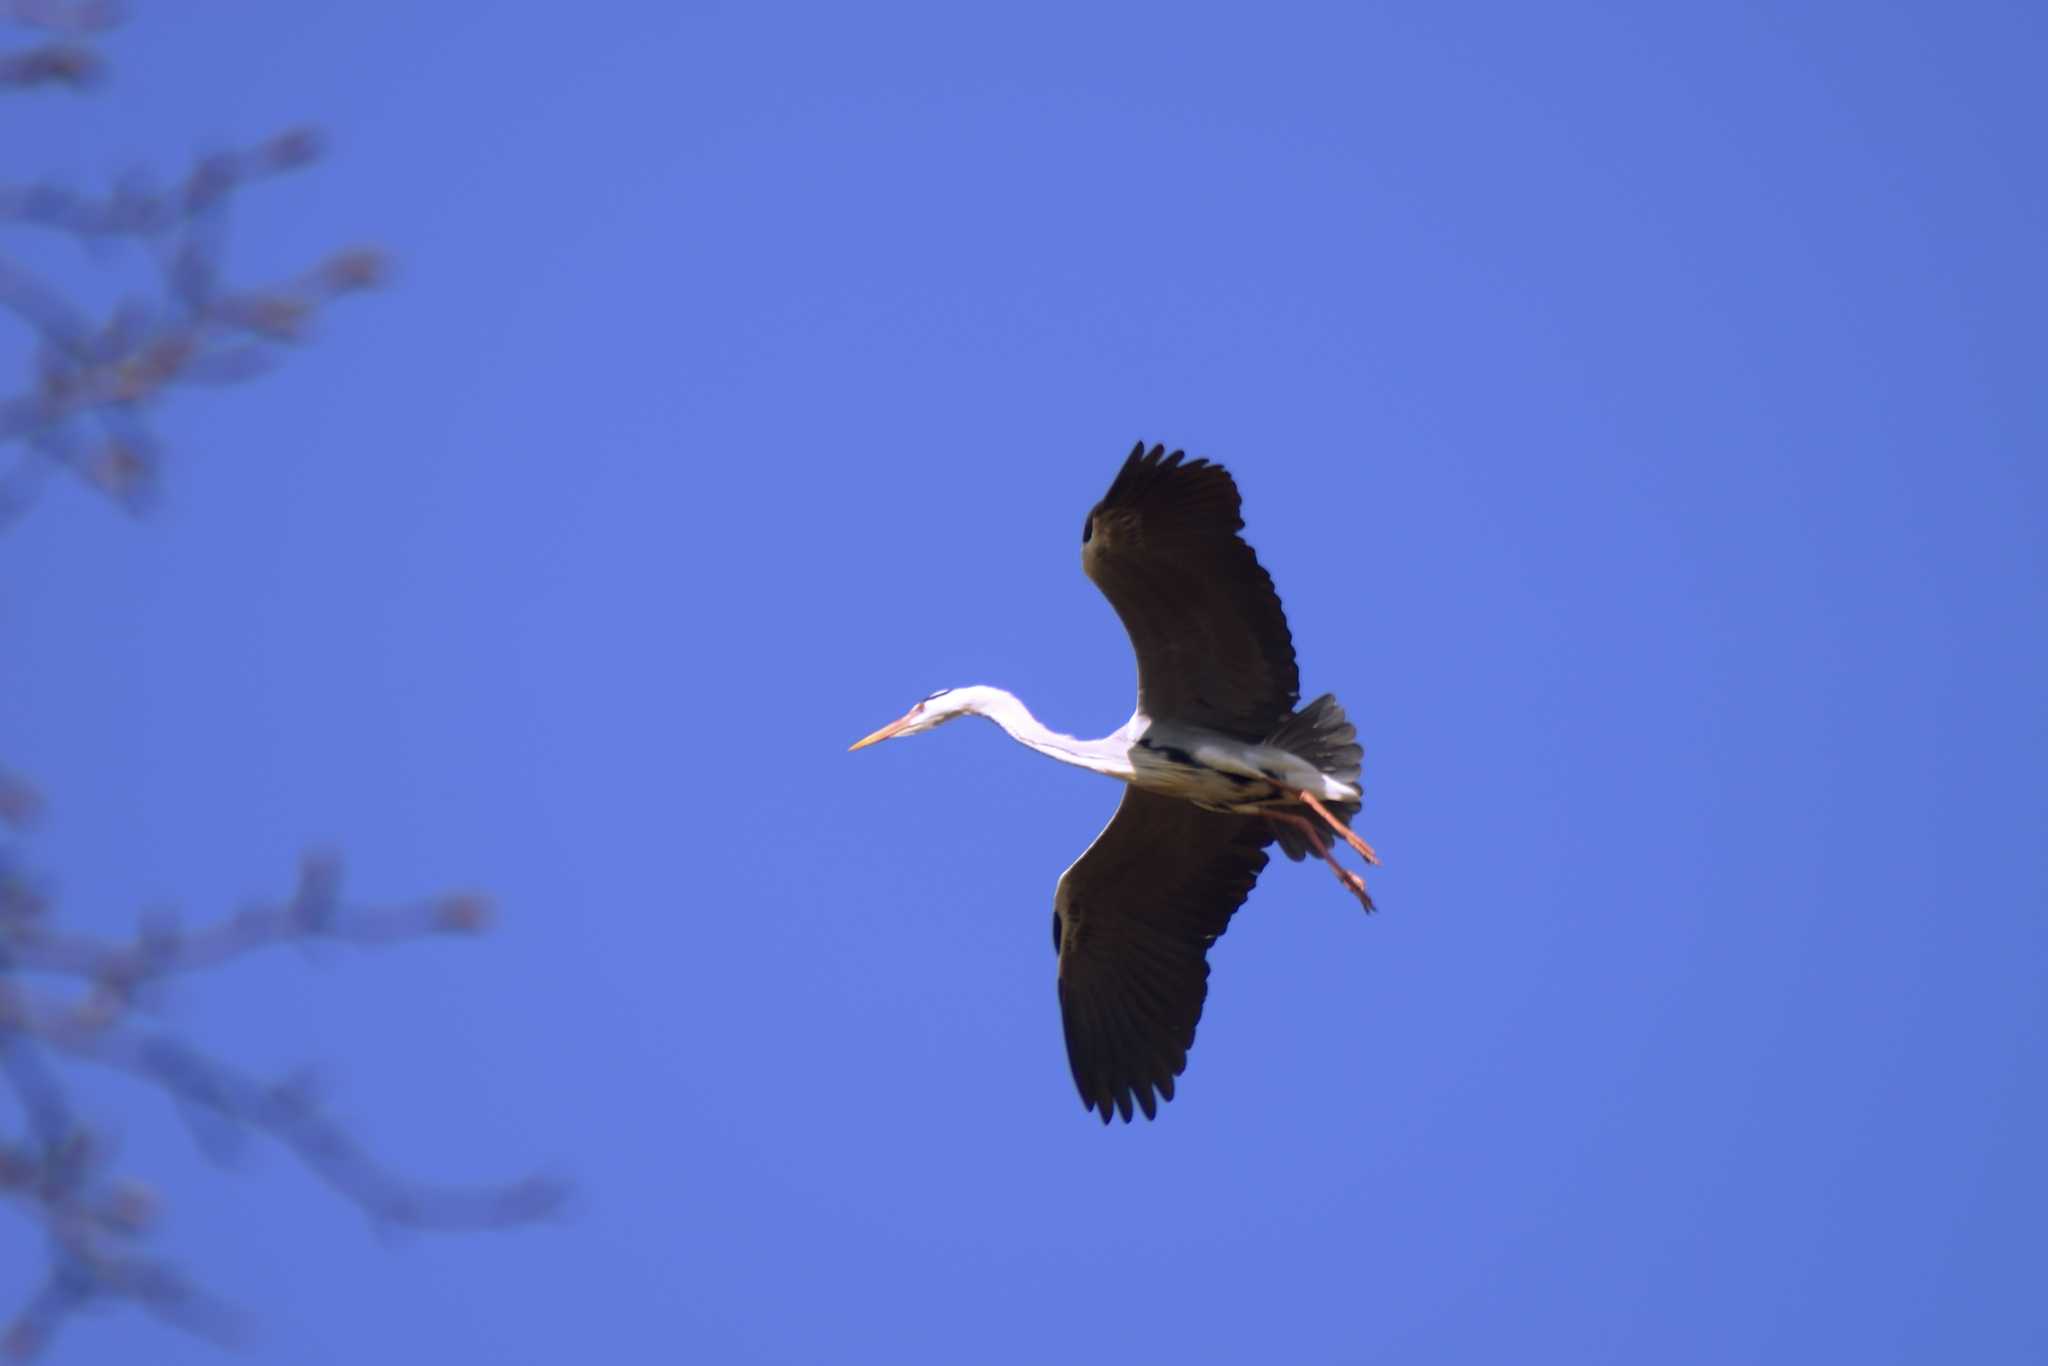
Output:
x=1207 y=626
x=1136 y=915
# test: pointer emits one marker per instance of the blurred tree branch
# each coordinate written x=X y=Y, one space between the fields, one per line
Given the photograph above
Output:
x=71 y=998
x=61 y=51
x=84 y=409
x=62 y=1173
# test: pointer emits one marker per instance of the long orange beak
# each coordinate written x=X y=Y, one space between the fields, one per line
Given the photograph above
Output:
x=884 y=733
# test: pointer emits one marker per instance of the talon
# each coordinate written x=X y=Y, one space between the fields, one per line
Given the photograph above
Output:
x=1356 y=886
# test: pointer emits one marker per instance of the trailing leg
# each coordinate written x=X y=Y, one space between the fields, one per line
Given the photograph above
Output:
x=1350 y=836
x=1352 y=882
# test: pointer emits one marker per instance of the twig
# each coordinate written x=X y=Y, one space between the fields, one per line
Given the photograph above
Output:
x=84 y=411
x=60 y=1173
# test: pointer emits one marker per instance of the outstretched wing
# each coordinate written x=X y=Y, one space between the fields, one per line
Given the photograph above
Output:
x=1212 y=643
x=1133 y=920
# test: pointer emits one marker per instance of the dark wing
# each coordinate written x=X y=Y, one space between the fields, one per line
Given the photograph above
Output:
x=1212 y=643
x=1133 y=920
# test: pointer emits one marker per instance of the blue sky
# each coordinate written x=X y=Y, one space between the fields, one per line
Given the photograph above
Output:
x=1640 y=415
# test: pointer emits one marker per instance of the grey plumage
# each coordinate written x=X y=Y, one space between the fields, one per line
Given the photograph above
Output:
x=1217 y=765
x=1321 y=734
x=1135 y=915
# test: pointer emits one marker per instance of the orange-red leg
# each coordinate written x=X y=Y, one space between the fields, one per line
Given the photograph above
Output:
x=1353 y=883
x=1350 y=837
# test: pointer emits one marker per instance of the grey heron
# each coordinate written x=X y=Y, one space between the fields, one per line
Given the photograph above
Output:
x=1217 y=761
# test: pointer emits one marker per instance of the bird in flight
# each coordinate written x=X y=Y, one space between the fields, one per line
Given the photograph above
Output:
x=1218 y=764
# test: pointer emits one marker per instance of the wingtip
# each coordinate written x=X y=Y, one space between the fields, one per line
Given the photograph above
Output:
x=1127 y=1105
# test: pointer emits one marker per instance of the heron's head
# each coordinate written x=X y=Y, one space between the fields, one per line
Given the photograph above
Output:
x=941 y=707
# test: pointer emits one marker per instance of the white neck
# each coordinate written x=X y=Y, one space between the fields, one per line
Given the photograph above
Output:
x=1110 y=754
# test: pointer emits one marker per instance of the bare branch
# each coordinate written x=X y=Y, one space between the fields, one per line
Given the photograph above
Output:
x=87 y=1268
x=293 y=1113
x=136 y=209
x=20 y=803
x=74 y=17
x=85 y=413
x=72 y=64
x=314 y=912
x=61 y=1174
x=63 y=57
x=83 y=408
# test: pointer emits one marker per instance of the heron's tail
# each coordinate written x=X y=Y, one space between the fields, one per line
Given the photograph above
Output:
x=1320 y=734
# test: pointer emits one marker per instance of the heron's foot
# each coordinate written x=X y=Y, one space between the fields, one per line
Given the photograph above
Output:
x=1351 y=881
x=1355 y=884
x=1350 y=836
